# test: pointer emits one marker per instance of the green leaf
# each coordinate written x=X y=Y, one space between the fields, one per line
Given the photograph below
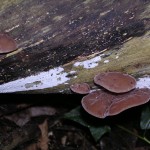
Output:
x=96 y=127
x=145 y=118
x=98 y=132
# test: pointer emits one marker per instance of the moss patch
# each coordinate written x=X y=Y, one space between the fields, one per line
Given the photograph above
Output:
x=133 y=58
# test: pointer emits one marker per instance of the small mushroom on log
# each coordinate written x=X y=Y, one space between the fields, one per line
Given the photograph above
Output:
x=103 y=103
x=7 y=44
x=116 y=82
x=80 y=88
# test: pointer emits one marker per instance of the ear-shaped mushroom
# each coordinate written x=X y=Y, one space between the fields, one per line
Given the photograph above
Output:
x=7 y=44
x=131 y=99
x=96 y=103
x=103 y=103
x=80 y=88
x=116 y=82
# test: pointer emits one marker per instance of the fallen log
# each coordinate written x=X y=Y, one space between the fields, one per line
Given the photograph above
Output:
x=61 y=43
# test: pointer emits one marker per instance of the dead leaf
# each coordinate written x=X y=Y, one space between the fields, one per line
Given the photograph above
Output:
x=22 y=117
x=43 y=140
x=32 y=147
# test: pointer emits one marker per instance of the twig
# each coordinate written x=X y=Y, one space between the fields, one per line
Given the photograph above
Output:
x=128 y=131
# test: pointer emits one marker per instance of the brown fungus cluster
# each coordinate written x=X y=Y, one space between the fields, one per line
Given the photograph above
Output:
x=119 y=94
x=7 y=44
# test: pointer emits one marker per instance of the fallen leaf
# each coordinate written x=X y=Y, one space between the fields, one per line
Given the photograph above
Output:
x=43 y=140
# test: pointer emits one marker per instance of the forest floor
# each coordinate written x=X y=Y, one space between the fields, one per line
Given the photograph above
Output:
x=40 y=126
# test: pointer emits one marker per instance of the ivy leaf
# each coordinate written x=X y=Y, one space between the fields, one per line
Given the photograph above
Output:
x=98 y=132
x=96 y=127
x=145 y=118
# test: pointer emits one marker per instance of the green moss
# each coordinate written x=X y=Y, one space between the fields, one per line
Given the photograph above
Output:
x=134 y=58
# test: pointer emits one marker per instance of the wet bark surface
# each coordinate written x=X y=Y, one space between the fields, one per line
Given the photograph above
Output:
x=53 y=33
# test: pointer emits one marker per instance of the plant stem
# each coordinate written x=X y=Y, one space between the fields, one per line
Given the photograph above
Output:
x=140 y=137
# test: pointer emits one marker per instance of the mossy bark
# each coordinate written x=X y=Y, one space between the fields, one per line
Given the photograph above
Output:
x=58 y=33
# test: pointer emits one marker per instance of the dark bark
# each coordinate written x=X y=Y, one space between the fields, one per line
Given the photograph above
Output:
x=53 y=33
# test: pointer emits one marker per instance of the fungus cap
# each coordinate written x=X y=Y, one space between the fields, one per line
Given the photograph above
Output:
x=7 y=44
x=128 y=100
x=96 y=103
x=103 y=103
x=80 y=88
x=116 y=82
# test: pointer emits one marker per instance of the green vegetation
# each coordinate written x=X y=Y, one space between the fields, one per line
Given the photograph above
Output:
x=99 y=128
